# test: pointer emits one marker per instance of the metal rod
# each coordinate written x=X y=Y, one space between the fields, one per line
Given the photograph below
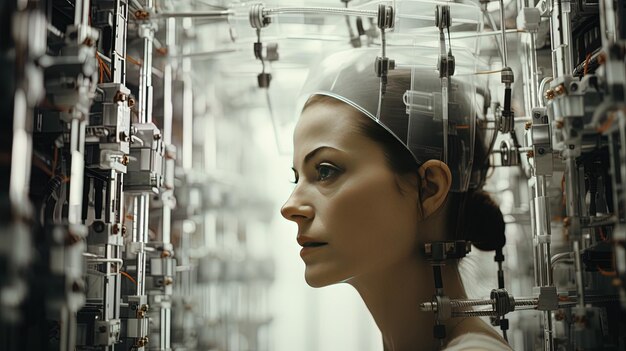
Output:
x=320 y=10
x=197 y=14
x=503 y=29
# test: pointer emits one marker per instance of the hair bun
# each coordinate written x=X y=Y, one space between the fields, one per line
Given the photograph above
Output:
x=484 y=221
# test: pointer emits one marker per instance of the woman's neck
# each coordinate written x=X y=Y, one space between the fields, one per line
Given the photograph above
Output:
x=393 y=296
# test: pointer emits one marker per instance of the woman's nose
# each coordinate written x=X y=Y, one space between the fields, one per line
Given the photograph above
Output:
x=297 y=211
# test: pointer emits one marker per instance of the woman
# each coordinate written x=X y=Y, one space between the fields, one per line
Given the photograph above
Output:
x=371 y=189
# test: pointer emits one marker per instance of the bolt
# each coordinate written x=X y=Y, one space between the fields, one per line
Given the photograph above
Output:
x=98 y=226
x=165 y=254
x=123 y=230
x=566 y=222
x=119 y=97
x=530 y=154
x=549 y=94
x=125 y=160
x=141 y=15
x=528 y=125
x=131 y=102
x=559 y=316
x=115 y=229
x=144 y=308
x=157 y=136
x=560 y=89
x=168 y=281
x=559 y=124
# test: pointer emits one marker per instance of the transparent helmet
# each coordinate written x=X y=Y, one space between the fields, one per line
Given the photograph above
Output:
x=411 y=105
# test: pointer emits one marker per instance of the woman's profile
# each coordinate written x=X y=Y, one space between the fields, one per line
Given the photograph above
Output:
x=372 y=188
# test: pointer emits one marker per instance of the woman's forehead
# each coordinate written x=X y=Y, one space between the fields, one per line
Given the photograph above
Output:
x=326 y=123
x=334 y=125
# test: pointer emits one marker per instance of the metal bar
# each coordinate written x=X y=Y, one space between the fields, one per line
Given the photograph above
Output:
x=197 y=14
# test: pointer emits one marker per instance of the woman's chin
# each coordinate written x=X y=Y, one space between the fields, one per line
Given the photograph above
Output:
x=318 y=279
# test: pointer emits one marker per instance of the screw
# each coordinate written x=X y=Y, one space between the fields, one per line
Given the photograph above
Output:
x=573 y=87
x=541 y=151
x=572 y=146
x=528 y=125
x=560 y=89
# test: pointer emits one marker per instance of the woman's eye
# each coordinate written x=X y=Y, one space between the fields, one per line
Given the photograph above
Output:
x=325 y=171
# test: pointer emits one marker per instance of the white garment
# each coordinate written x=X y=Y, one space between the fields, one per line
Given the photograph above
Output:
x=475 y=342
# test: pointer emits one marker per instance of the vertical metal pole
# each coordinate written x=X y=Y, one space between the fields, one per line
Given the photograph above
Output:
x=21 y=154
x=561 y=38
x=503 y=30
x=534 y=74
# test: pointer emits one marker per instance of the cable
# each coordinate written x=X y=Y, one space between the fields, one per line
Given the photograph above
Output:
x=129 y=277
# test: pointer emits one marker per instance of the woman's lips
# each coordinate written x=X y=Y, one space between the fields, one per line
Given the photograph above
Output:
x=311 y=247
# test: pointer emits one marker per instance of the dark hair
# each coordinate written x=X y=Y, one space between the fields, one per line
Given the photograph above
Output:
x=479 y=217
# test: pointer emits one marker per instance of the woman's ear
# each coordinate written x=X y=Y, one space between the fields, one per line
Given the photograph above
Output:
x=435 y=184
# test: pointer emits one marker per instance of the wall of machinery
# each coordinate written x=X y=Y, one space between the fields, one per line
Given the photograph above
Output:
x=134 y=215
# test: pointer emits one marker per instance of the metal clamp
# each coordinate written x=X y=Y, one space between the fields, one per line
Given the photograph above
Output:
x=386 y=16
x=258 y=20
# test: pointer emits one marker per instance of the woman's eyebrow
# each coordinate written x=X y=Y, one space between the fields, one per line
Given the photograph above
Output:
x=312 y=154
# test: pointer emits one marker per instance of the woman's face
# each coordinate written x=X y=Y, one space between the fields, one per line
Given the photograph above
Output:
x=352 y=218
